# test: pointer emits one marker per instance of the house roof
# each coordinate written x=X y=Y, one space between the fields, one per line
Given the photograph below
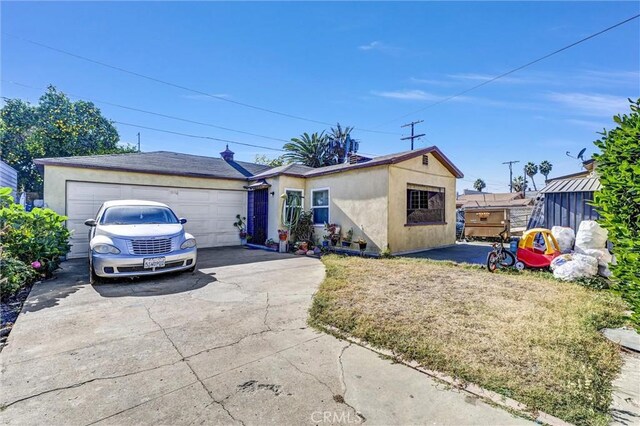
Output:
x=508 y=199
x=586 y=184
x=304 y=171
x=162 y=162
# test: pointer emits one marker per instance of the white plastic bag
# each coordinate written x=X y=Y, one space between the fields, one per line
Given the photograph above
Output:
x=602 y=255
x=566 y=237
x=591 y=235
x=570 y=267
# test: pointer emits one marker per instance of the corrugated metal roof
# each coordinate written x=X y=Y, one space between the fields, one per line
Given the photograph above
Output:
x=588 y=184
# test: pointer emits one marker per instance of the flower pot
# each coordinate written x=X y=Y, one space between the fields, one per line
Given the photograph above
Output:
x=325 y=243
x=304 y=246
x=283 y=237
x=346 y=244
x=363 y=246
x=334 y=242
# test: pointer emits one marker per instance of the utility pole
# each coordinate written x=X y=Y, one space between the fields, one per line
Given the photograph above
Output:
x=413 y=136
x=138 y=141
x=511 y=163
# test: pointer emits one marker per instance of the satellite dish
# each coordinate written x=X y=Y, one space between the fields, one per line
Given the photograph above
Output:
x=581 y=154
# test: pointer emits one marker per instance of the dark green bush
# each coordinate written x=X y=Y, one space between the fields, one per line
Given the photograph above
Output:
x=39 y=235
x=14 y=274
x=618 y=202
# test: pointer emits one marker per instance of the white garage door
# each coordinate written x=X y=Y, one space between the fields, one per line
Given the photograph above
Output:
x=210 y=213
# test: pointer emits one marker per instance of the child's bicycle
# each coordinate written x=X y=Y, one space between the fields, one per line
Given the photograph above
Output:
x=500 y=257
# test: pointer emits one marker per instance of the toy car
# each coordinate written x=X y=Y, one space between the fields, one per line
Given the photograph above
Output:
x=536 y=249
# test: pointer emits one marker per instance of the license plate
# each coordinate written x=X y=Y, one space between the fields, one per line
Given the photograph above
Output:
x=154 y=262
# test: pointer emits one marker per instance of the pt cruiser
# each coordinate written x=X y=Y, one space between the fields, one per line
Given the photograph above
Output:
x=133 y=237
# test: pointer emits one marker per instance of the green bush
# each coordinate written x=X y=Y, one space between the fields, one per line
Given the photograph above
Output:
x=618 y=202
x=14 y=274
x=39 y=235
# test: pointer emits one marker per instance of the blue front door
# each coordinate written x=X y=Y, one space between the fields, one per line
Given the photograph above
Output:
x=258 y=215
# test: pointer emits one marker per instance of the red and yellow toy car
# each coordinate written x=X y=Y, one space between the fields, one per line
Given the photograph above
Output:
x=536 y=249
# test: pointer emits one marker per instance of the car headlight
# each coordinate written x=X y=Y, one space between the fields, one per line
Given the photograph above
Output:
x=105 y=248
x=191 y=242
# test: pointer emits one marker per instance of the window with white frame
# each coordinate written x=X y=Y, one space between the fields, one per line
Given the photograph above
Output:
x=320 y=206
x=292 y=205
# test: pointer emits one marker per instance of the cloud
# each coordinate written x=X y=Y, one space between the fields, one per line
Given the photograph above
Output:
x=591 y=104
x=432 y=82
x=380 y=46
x=409 y=95
x=478 y=77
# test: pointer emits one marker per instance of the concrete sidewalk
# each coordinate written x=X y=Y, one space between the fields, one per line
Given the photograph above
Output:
x=228 y=344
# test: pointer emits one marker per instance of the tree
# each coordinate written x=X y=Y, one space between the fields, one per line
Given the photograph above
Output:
x=479 y=185
x=310 y=150
x=337 y=142
x=518 y=183
x=545 y=169
x=531 y=170
x=618 y=201
x=55 y=127
x=271 y=162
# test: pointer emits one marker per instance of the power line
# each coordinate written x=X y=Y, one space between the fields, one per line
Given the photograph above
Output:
x=179 y=86
x=484 y=83
x=154 y=113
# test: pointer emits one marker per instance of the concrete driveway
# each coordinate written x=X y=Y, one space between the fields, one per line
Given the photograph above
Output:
x=228 y=344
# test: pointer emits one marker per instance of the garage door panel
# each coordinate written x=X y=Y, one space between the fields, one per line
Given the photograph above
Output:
x=210 y=213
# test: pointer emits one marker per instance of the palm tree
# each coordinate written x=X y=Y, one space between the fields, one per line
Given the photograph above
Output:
x=531 y=170
x=518 y=183
x=545 y=169
x=310 y=150
x=337 y=138
x=479 y=185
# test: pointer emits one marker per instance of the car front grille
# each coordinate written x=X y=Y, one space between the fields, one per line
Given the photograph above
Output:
x=141 y=268
x=158 y=246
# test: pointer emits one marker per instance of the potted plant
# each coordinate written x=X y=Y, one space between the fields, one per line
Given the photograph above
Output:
x=332 y=231
x=271 y=244
x=362 y=243
x=346 y=242
x=241 y=224
x=283 y=234
x=325 y=240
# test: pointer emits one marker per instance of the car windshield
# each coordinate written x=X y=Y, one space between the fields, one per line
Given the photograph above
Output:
x=137 y=215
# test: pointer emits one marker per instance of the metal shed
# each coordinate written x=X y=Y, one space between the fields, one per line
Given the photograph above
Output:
x=567 y=202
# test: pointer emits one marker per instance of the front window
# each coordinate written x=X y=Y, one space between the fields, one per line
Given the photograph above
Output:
x=137 y=215
x=425 y=204
x=292 y=206
x=320 y=206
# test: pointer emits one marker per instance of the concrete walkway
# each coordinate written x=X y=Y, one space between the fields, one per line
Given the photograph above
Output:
x=228 y=344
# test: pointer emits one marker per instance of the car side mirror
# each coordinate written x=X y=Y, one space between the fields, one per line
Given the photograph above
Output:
x=182 y=220
x=90 y=222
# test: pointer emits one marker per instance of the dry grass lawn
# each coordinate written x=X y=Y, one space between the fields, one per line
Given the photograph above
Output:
x=523 y=335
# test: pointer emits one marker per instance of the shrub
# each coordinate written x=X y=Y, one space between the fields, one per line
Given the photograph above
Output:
x=618 y=202
x=39 y=235
x=14 y=275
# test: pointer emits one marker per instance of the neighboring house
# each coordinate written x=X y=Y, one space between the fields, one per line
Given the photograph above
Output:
x=405 y=201
x=566 y=200
x=9 y=178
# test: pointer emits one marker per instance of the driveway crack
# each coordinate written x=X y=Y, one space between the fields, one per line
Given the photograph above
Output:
x=266 y=313
x=344 y=384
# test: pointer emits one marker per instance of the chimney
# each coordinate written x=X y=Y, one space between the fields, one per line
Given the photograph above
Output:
x=227 y=154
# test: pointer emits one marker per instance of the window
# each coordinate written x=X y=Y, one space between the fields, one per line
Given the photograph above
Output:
x=137 y=215
x=292 y=205
x=425 y=204
x=320 y=206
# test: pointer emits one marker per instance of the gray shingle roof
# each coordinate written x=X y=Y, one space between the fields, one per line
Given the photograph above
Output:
x=162 y=162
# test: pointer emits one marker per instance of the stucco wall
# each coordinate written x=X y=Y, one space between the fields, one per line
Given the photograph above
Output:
x=55 y=178
x=404 y=238
x=358 y=200
x=278 y=186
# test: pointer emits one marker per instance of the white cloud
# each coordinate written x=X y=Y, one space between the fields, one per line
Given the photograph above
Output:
x=409 y=95
x=432 y=82
x=478 y=77
x=380 y=46
x=371 y=46
x=592 y=104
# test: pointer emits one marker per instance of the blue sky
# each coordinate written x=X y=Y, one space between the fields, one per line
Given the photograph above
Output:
x=362 y=64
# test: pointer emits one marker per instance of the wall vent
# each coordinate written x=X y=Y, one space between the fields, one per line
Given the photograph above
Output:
x=425 y=160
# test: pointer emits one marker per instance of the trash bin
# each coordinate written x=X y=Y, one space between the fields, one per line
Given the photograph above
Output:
x=513 y=246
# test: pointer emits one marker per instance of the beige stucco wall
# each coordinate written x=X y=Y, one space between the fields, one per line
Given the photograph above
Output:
x=358 y=200
x=409 y=238
x=55 y=178
x=278 y=186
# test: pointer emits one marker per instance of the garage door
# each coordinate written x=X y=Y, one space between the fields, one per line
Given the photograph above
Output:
x=210 y=213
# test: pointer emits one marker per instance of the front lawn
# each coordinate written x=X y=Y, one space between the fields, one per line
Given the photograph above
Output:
x=523 y=335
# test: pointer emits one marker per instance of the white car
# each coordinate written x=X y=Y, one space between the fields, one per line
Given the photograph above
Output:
x=133 y=237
